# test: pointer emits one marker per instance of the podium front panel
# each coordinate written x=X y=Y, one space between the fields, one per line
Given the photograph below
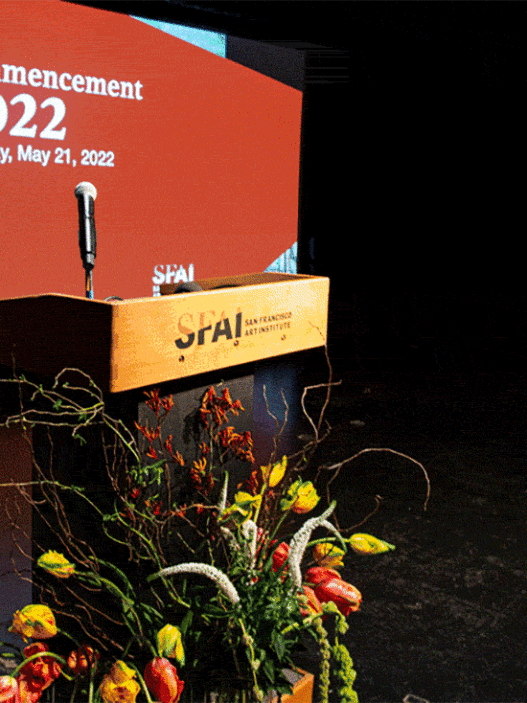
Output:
x=144 y=341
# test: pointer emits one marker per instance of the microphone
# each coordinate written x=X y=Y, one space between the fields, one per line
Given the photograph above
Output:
x=86 y=193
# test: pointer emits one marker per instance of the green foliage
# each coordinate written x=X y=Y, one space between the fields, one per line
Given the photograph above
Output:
x=345 y=672
x=159 y=508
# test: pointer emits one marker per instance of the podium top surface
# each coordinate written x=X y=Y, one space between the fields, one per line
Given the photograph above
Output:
x=144 y=341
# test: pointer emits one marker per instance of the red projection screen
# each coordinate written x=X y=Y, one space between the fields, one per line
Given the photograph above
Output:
x=195 y=158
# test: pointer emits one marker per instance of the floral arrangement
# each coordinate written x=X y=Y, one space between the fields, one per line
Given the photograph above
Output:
x=210 y=585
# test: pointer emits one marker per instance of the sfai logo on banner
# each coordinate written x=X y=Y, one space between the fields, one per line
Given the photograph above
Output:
x=171 y=273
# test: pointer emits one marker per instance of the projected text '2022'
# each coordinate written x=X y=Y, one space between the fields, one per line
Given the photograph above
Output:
x=26 y=118
x=30 y=107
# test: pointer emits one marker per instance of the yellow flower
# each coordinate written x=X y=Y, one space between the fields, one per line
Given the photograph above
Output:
x=125 y=692
x=56 y=564
x=244 y=508
x=328 y=554
x=120 y=672
x=247 y=502
x=35 y=621
x=119 y=686
x=272 y=475
x=366 y=544
x=235 y=513
x=170 y=643
x=302 y=497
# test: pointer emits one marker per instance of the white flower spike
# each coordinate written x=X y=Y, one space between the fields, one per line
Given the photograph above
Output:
x=300 y=540
x=211 y=572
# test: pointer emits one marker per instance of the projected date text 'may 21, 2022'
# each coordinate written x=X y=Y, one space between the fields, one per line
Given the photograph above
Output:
x=24 y=117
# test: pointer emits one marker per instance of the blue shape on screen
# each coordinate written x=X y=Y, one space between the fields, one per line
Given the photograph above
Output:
x=286 y=262
x=210 y=41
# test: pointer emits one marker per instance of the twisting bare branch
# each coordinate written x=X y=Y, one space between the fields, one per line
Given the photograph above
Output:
x=338 y=466
x=279 y=428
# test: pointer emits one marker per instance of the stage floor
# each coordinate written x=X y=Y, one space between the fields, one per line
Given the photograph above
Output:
x=443 y=616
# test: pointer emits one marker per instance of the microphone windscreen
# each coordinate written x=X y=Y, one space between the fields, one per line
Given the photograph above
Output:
x=86 y=188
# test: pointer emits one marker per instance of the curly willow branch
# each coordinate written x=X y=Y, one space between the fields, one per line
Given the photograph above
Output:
x=337 y=467
x=279 y=428
x=64 y=409
x=316 y=427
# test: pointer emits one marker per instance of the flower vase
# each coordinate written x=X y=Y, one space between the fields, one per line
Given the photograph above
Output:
x=302 y=683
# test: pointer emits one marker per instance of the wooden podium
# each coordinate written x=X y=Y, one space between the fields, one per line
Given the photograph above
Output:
x=246 y=332
x=141 y=342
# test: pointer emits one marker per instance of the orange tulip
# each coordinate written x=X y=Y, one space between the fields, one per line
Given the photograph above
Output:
x=345 y=596
x=318 y=574
x=38 y=674
x=82 y=659
x=313 y=603
x=280 y=555
x=8 y=689
x=162 y=680
x=329 y=586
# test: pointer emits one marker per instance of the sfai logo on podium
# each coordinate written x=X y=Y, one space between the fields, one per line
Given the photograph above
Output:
x=222 y=329
x=194 y=327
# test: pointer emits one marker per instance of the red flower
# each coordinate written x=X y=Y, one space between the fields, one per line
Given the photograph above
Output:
x=236 y=407
x=330 y=587
x=202 y=480
x=153 y=401
x=204 y=449
x=162 y=680
x=313 y=605
x=155 y=507
x=82 y=659
x=226 y=436
x=167 y=403
x=280 y=555
x=226 y=398
x=150 y=434
x=318 y=574
x=181 y=511
x=8 y=689
x=254 y=483
x=241 y=446
x=38 y=674
x=216 y=408
x=345 y=596
x=173 y=452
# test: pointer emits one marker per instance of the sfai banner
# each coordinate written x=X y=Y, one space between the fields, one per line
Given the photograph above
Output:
x=195 y=158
